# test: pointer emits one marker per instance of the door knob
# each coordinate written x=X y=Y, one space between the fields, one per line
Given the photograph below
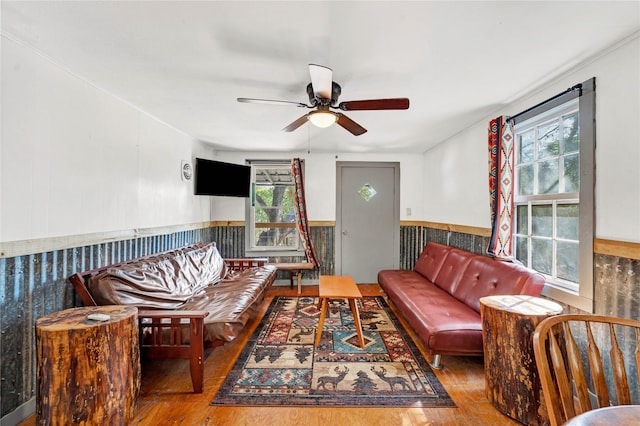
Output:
x=344 y=232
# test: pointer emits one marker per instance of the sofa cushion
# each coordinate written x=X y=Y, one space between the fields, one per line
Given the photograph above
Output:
x=431 y=259
x=452 y=269
x=162 y=281
x=444 y=324
x=485 y=276
x=232 y=301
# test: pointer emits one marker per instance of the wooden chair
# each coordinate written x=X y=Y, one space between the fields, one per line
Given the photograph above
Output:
x=587 y=372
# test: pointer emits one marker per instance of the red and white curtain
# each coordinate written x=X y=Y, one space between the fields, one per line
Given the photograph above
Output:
x=300 y=205
x=501 y=187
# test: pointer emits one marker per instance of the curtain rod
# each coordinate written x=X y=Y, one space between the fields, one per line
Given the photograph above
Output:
x=569 y=90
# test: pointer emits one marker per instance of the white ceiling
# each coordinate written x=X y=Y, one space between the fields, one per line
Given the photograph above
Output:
x=187 y=62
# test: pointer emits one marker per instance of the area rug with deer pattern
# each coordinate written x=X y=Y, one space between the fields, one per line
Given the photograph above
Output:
x=281 y=366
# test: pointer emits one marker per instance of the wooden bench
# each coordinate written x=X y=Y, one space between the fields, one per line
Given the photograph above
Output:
x=294 y=269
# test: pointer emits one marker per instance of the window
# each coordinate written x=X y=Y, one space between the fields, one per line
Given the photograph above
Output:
x=553 y=197
x=271 y=228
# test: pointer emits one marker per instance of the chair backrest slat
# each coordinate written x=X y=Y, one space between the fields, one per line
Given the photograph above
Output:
x=571 y=367
x=638 y=354
x=577 y=372
x=618 y=369
x=560 y=372
x=597 y=371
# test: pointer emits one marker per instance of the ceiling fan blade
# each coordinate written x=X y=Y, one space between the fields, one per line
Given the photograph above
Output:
x=273 y=102
x=321 y=80
x=350 y=125
x=375 y=104
x=299 y=122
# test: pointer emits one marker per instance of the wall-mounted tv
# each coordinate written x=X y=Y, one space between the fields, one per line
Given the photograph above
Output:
x=223 y=179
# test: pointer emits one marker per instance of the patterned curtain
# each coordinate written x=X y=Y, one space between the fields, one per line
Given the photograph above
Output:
x=501 y=158
x=300 y=204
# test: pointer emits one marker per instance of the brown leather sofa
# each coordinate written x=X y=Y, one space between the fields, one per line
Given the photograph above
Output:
x=440 y=297
x=187 y=299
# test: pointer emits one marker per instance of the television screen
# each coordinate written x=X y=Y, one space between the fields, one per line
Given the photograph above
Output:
x=224 y=179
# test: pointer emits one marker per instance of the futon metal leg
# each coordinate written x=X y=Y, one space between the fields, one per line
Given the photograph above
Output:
x=435 y=364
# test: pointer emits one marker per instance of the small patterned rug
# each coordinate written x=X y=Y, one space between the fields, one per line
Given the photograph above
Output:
x=280 y=365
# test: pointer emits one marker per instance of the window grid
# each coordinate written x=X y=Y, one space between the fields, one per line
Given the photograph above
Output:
x=554 y=239
x=272 y=228
x=532 y=156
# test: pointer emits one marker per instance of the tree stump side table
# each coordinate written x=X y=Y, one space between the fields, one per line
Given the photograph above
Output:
x=88 y=371
x=511 y=378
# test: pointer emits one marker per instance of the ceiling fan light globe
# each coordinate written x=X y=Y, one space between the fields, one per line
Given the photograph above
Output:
x=322 y=118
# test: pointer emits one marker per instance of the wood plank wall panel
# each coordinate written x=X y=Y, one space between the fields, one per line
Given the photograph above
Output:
x=617 y=286
x=35 y=284
x=230 y=241
x=412 y=240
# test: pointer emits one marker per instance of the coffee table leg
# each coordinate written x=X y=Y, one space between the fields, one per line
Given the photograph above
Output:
x=324 y=305
x=356 y=321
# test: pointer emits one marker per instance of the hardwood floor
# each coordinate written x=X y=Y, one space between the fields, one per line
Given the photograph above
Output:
x=166 y=397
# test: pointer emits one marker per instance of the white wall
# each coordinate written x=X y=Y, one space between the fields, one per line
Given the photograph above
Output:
x=77 y=160
x=320 y=182
x=455 y=178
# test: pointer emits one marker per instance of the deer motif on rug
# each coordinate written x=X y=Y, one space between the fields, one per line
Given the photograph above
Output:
x=393 y=380
x=304 y=331
x=334 y=380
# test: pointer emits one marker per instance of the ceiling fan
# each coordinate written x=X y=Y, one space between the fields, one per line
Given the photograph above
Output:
x=323 y=97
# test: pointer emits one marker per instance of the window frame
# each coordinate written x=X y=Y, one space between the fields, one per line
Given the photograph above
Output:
x=557 y=289
x=250 y=225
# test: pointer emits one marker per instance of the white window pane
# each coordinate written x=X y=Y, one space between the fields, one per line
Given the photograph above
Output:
x=542 y=255
x=525 y=180
x=567 y=221
x=522 y=227
x=542 y=220
x=570 y=133
x=526 y=147
x=567 y=262
x=548 y=177
x=571 y=173
x=522 y=250
x=548 y=140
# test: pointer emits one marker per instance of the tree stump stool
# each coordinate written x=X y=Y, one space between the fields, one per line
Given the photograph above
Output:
x=511 y=378
x=88 y=370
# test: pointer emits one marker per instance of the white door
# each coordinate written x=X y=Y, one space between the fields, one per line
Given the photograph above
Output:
x=367 y=219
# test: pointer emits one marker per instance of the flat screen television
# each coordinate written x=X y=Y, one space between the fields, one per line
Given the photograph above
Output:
x=223 y=179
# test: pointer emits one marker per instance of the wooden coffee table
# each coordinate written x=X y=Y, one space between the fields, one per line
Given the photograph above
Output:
x=339 y=287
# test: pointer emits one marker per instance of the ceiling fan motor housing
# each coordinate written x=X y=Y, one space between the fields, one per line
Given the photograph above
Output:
x=336 y=90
